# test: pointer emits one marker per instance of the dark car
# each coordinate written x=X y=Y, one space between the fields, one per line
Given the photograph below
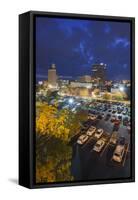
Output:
x=125 y=121
x=107 y=117
x=121 y=141
x=116 y=127
x=86 y=126
x=120 y=117
x=113 y=119
x=99 y=117
x=114 y=111
x=105 y=109
x=119 y=111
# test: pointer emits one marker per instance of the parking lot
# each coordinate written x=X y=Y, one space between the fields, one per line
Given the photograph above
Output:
x=93 y=163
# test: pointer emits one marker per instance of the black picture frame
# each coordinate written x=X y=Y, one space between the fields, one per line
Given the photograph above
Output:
x=27 y=98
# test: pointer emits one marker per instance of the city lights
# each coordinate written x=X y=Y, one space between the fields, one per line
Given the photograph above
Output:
x=121 y=88
x=70 y=101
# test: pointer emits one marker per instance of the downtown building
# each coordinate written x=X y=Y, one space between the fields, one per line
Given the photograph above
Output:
x=85 y=79
x=52 y=77
x=99 y=72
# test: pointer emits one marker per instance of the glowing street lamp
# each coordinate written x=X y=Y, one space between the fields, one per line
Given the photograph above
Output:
x=121 y=88
x=70 y=101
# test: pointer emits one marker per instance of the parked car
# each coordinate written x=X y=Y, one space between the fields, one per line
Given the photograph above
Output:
x=105 y=109
x=116 y=127
x=122 y=141
x=99 y=145
x=119 y=111
x=125 y=121
x=114 y=137
x=107 y=117
x=83 y=131
x=113 y=118
x=99 y=117
x=118 y=153
x=124 y=112
x=82 y=139
x=120 y=117
x=91 y=131
x=114 y=111
x=117 y=122
x=98 y=133
x=86 y=126
x=92 y=117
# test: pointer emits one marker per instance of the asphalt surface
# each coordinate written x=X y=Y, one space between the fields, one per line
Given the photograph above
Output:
x=88 y=164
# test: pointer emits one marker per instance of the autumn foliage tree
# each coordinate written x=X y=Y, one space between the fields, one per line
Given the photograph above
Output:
x=107 y=96
x=51 y=122
x=53 y=154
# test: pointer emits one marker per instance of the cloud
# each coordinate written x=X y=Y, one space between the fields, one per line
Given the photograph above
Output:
x=120 y=42
x=69 y=26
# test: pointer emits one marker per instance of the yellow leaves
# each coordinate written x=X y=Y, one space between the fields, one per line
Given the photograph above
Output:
x=50 y=121
x=107 y=96
x=45 y=173
x=56 y=169
x=48 y=173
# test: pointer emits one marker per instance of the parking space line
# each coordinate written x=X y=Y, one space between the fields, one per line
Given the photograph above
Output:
x=125 y=155
x=92 y=150
x=105 y=147
x=87 y=142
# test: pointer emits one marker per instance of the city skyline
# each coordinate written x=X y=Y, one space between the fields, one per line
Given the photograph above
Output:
x=90 y=74
x=75 y=45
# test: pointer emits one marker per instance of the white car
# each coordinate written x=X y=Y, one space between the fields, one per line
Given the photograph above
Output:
x=73 y=109
x=118 y=153
x=91 y=130
x=99 y=145
x=92 y=117
x=82 y=139
x=98 y=133
x=114 y=137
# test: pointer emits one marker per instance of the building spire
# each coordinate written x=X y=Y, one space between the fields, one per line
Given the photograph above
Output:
x=53 y=66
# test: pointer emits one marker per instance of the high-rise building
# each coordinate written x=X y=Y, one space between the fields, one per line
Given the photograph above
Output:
x=52 y=76
x=99 y=71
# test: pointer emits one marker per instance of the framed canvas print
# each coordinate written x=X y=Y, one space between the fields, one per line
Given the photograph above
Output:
x=76 y=99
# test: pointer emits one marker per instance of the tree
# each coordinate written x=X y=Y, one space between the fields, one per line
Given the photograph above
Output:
x=57 y=165
x=119 y=96
x=51 y=122
x=96 y=91
x=53 y=155
x=107 y=96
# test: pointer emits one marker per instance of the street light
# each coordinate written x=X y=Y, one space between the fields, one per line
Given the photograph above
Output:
x=71 y=101
x=121 y=88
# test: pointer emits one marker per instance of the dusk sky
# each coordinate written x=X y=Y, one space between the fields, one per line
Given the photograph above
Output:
x=74 y=45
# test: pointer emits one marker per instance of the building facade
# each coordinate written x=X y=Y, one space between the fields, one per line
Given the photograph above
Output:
x=52 y=76
x=85 y=79
x=76 y=84
x=99 y=72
